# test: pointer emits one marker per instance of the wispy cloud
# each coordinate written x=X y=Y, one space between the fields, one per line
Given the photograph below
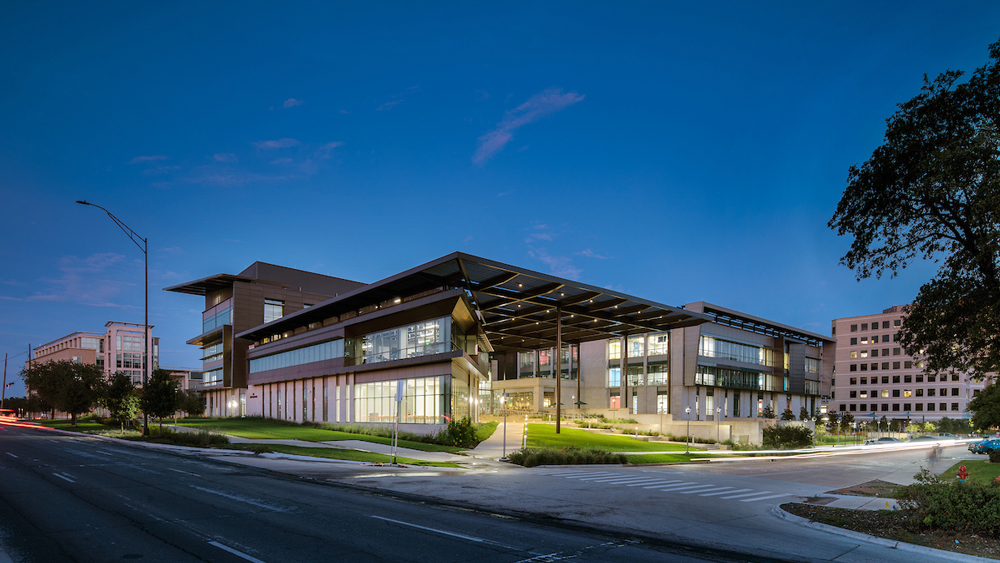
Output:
x=140 y=159
x=558 y=265
x=292 y=102
x=539 y=232
x=225 y=157
x=277 y=144
x=538 y=106
x=95 y=280
x=388 y=105
x=591 y=254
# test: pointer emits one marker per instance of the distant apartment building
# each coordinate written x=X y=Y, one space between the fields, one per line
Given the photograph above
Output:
x=118 y=348
x=188 y=379
x=875 y=377
x=261 y=294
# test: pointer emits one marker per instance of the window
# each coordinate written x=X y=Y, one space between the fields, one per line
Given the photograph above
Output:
x=864 y=367
x=885 y=393
x=614 y=349
x=425 y=400
x=954 y=406
x=854 y=367
x=864 y=326
x=954 y=377
x=944 y=406
x=854 y=407
x=315 y=353
x=614 y=377
x=843 y=407
x=421 y=339
x=931 y=391
x=920 y=392
x=930 y=378
x=896 y=351
x=885 y=406
x=920 y=407
x=885 y=380
x=273 y=310
x=875 y=366
x=895 y=406
x=663 y=402
x=920 y=378
x=656 y=374
x=885 y=352
x=864 y=381
x=854 y=341
x=864 y=353
x=954 y=391
x=712 y=347
x=896 y=322
x=885 y=338
x=658 y=344
x=895 y=392
x=885 y=365
x=854 y=355
x=895 y=365
x=907 y=365
x=907 y=378
x=875 y=353
x=854 y=395
x=854 y=381
x=854 y=328
x=907 y=393
x=864 y=340
x=864 y=407
x=885 y=324
x=636 y=346
x=930 y=406
x=895 y=379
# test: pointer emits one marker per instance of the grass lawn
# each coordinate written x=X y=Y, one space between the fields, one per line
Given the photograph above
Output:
x=544 y=436
x=257 y=428
x=350 y=455
x=979 y=470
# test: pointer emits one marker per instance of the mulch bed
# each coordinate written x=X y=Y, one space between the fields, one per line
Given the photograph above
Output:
x=890 y=524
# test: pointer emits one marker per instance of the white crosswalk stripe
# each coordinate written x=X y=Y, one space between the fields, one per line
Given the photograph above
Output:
x=654 y=481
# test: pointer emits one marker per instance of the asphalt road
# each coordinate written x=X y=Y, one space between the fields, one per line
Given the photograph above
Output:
x=69 y=498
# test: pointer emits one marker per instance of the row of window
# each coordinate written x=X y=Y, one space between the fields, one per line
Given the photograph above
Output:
x=656 y=374
x=874 y=353
x=931 y=378
x=955 y=392
x=874 y=325
x=712 y=347
x=221 y=318
x=538 y=363
x=639 y=346
x=305 y=355
x=873 y=339
x=714 y=376
x=895 y=407
x=919 y=364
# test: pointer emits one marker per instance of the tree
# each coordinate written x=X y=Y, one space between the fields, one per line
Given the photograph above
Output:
x=833 y=421
x=985 y=408
x=191 y=403
x=804 y=414
x=932 y=191
x=768 y=412
x=845 y=420
x=787 y=414
x=120 y=398
x=67 y=386
x=160 y=396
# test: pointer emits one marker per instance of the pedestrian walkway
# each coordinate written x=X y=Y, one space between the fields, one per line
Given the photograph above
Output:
x=360 y=445
x=660 y=485
x=494 y=446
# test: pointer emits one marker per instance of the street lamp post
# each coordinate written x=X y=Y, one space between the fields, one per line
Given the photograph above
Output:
x=135 y=238
x=503 y=403
x=718 y=424
x=687 y=439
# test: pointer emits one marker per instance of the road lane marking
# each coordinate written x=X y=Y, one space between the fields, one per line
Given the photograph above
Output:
x=746 y=495
x=11 y=455
x=659 y=481
x=240 y=498
x=676 y=486
x=583 y=475
x=724 y=492
x=704 y=490
x=764 y=498
x=442 y=532
x=104 y=452
x=235 y=552
x=694 y=489
x=605 y=478
x=636 y=480
x=184 y=472
x=64 y=478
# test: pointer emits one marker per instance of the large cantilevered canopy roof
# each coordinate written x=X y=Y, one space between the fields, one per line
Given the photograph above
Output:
x=518 y=307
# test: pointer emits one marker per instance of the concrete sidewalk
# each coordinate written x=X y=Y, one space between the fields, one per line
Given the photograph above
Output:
x=494 y=446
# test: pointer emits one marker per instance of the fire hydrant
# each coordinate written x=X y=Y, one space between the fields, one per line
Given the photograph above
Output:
x=962 y=474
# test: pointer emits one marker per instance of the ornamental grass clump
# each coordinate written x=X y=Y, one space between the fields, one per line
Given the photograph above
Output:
x=569 y=455
x=935 y=503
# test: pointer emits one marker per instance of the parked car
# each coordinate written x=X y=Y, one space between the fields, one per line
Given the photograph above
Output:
x=985 y=447
x=927 y=438
x=947 y=435
x=883 y=441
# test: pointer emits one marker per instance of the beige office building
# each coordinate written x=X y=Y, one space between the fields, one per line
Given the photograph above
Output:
x=875 y=377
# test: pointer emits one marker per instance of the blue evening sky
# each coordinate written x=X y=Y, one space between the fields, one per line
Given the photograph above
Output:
x=674 y=151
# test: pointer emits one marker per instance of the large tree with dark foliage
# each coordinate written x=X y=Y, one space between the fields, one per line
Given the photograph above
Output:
x=160 y=396
x=67 y=386
x=932 y=192
x=121 y=399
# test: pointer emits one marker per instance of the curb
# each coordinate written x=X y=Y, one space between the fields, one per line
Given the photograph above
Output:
x=892 y=544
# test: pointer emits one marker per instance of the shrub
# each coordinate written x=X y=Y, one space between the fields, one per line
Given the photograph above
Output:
x=460 y=433
x=787 y=437
x=995 y=457
x=936 y=503
x=566 y=456
x=201 y=439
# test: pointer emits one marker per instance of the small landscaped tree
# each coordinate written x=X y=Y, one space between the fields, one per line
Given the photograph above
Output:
x=191 y=403
x=804 y=414
x=787 y=414
x=121 y=399
x=768 y=412
x=846 y=420
x=160 y=396
x=67 y=386
x=833 y=421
